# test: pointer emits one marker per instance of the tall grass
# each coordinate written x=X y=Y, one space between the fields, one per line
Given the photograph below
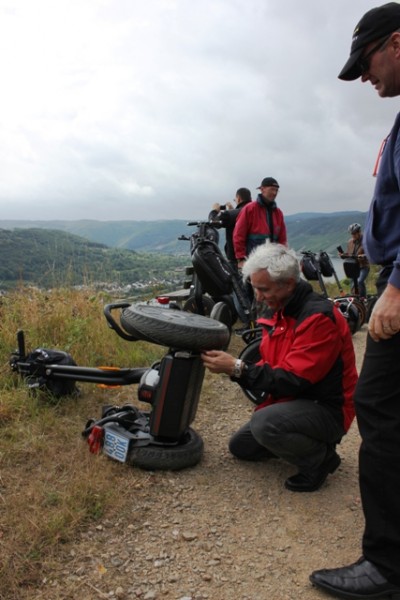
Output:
x=50 y=485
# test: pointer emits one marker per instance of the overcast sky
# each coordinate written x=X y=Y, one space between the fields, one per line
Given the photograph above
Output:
x=156 y=109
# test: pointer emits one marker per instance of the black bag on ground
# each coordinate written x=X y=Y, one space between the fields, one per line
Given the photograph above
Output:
x=211 y=268
x=37 y=379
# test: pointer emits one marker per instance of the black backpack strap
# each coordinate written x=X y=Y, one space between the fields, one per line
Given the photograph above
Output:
x=270 y=222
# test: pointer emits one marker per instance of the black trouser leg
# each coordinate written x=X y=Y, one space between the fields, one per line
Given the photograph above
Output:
x=377 y=402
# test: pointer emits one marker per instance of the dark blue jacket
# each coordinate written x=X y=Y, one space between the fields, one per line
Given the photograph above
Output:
x=382 y=228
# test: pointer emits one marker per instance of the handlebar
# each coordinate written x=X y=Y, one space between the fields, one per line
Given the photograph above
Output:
x=199 y=223
x=112 y=323
x=201 y=226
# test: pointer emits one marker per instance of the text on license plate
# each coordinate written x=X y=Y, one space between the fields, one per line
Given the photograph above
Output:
x=115 y=446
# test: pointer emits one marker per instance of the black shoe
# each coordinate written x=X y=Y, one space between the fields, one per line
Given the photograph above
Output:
x=310 y=481
x=359 y=580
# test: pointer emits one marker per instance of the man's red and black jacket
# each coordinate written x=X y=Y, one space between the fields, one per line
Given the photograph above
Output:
x=307 y=352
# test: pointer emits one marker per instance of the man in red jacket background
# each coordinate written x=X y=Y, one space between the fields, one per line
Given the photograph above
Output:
x=259 y=221
x=305 y=379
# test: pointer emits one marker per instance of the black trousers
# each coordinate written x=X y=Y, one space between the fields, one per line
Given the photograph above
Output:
x=300 y=431
x=377 y=402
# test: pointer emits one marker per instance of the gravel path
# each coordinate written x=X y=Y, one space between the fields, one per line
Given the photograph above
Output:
x=224 y=530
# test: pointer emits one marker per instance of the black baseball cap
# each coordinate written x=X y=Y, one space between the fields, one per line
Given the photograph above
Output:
x=269 y=182
x=375 y=24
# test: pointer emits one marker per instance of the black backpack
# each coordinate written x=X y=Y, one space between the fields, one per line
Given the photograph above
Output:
x=37 y=379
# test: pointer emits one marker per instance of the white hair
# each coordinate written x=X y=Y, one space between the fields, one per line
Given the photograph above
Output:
x=280 y=262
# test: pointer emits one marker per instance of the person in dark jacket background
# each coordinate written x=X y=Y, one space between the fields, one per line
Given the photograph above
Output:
x=305 y=378
x=227 y=215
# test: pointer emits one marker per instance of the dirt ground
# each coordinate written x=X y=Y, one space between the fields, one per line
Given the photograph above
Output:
x=223 y=530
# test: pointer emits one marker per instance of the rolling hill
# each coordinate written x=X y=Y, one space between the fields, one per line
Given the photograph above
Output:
x=311 y=231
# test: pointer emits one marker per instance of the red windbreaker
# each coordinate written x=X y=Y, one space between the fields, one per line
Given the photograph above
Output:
x=307 y=352
x=252 y=228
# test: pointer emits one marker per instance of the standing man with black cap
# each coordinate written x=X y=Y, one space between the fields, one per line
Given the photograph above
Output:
x=259 y=221
x=375 y=57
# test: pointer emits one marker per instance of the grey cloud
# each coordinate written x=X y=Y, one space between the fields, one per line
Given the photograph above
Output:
x=162 y=108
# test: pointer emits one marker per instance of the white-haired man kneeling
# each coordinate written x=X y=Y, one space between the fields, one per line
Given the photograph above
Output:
x=307 y=373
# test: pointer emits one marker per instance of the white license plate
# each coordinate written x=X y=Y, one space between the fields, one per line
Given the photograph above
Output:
x=115 y=446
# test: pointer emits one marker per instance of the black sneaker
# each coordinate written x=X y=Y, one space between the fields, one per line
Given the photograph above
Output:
x=310 y=481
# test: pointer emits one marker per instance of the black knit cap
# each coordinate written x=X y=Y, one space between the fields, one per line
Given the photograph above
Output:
x=269 y=182
x=375 y=24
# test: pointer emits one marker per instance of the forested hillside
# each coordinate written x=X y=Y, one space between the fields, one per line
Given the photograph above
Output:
x=324 y=232
x=51 y=258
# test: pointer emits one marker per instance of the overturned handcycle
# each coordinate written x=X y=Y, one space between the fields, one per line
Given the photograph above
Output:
x=161 y=438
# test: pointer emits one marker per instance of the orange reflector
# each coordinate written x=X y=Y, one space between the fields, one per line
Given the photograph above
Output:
x=108 y=385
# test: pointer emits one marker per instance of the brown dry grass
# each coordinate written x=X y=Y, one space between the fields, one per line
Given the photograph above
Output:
x=50 y=486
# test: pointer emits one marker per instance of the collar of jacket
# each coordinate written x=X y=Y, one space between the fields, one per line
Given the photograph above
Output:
x=260 y=201
x=292 y=307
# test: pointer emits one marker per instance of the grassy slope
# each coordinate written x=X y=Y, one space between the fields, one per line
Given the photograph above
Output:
x=50 y=485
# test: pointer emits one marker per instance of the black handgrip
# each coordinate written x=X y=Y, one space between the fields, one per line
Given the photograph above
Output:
x=113 y=325
x=21 y=344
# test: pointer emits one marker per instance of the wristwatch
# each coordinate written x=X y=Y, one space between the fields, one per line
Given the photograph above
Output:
x=237 y=369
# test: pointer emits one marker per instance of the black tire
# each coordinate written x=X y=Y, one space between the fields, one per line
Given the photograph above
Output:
x=221 y=312
x=192 y=306
x=251 y=353
x=350 y=312
x=354 y=319
x=174 y=328
x=359 y=304
x=228 y=299
x=169 y=458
